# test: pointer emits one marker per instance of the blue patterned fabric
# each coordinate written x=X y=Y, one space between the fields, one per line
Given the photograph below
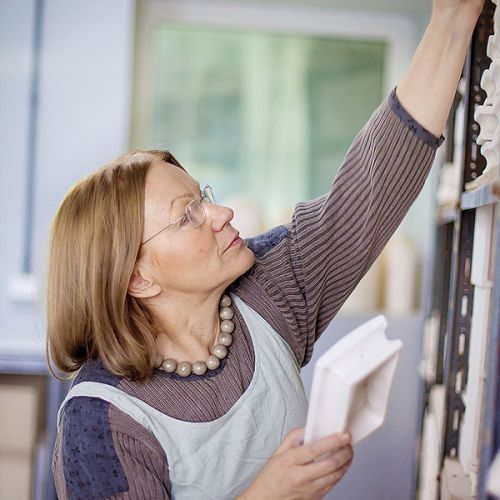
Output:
x=263 y=243
x=91 y=466
x=93 y=370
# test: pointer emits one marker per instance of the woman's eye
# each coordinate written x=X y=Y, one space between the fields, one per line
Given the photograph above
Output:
x=185 y=220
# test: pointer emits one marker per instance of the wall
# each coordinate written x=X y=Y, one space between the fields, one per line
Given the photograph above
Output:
x=83 y=121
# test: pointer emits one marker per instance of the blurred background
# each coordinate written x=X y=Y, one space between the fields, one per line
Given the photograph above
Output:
x=259 y=99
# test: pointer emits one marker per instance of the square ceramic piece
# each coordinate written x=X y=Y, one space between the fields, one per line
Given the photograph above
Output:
x=351 y=383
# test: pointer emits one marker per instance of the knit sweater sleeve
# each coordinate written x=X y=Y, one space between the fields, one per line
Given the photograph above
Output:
x=102 y=453
x=309 y=267
x=142 y=458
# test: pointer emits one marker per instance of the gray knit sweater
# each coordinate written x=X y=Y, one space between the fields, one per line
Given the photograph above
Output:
x=303 y=273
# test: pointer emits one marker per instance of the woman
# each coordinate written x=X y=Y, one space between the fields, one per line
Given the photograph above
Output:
x=189 y=341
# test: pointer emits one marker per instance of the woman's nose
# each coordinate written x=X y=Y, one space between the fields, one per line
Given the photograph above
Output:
x=218 y=215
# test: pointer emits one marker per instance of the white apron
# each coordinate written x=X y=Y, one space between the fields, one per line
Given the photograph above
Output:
x=219 y=459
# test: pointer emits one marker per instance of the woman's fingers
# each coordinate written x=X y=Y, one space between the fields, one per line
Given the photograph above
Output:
x=332 y=462
x=293 y=439
x=304 y=470
x=317 y=449
x=330 y=480
x=323 y=474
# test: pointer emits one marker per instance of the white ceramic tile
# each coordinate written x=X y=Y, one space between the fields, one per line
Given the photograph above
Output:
x=469 y=448
x=481 y=269
x=432 y=437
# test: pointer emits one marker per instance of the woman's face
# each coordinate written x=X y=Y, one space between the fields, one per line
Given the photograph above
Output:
x=181 y=258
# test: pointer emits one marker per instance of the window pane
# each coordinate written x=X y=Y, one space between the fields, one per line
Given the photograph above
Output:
x=266 y=116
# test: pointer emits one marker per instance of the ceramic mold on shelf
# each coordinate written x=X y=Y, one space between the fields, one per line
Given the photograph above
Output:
x=351 y=383
x=482 y=266
x=449 y=186
x=469 y=439
x=455 y=484
x=488 y=115
x=428 y=363
x=430 y=455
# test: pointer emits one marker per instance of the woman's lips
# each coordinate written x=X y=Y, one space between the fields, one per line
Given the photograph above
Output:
x=236 y=241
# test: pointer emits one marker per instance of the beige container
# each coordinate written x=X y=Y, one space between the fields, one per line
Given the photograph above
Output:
x=366 y=297
x=401 y=276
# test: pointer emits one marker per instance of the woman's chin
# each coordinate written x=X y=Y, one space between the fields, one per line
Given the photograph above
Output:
x=245 y=261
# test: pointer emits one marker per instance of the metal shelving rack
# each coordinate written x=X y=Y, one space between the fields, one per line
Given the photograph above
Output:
x=490 y=422
x=452 y=295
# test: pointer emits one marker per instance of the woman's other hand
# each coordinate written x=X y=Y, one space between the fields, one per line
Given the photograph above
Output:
x=302 y=471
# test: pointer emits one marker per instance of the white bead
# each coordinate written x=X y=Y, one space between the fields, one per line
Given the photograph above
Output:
x=225 y=339
x=199 y=367
x=220 y=351
x=169 y=365
x=226 y=313
x=184 y=369
x=227 y=326
x=158 y=361
x=225 y=301
x=213 y=362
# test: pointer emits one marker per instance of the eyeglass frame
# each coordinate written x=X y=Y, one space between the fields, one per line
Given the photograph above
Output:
x=208 y=194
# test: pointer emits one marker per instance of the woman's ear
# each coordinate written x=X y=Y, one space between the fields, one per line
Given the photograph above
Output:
x=142 y=287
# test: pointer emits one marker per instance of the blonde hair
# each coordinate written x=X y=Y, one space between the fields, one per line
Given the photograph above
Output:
x=94 y=242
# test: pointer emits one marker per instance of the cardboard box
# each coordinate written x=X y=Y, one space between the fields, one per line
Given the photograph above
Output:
x=15 y=476
x=20 y=398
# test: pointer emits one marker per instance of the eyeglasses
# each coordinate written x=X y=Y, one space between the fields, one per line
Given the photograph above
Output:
x=194 y=213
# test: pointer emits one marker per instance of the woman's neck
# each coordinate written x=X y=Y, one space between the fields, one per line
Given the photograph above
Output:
x=188 y=326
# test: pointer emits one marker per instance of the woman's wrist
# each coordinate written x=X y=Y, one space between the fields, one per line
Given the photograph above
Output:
x=428 y=87
x=457 y=21
x=452 y=37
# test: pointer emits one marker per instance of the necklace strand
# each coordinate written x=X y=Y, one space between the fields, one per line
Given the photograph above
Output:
x=219 y=351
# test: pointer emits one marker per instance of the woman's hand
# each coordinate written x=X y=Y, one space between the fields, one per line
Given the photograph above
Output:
x=292 y=472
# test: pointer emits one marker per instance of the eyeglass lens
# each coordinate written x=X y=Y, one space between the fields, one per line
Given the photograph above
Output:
x=196 y=213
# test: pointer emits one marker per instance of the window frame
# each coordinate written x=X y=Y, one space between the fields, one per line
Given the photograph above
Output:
x=397 y=31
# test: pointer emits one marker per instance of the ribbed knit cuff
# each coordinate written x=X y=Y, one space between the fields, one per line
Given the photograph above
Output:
x=421 y=132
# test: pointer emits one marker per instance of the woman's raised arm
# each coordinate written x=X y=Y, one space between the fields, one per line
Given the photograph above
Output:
x=310 y=267
x=428 y=87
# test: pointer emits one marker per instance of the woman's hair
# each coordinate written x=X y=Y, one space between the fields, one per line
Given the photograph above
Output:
x=94 y=242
